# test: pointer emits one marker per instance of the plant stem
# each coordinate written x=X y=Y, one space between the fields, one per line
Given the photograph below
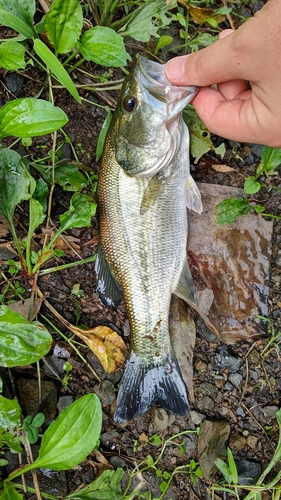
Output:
x=66 y=266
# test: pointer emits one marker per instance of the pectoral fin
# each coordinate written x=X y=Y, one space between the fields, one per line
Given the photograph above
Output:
x=185 y=288
x=193 y=196
x=109 y=290
x=152 y=192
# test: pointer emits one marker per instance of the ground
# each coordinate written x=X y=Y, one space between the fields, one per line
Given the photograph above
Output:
x=236 y=389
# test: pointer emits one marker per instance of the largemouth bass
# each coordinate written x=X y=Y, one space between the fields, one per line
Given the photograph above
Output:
x=143 y=189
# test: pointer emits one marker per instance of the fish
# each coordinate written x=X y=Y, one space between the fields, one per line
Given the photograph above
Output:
x=144 y=188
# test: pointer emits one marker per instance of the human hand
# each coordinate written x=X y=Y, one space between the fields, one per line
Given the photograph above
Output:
x=236 y=109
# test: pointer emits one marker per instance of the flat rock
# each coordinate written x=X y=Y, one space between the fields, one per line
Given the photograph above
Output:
x=212 y=445
x=233 y=261
x=29 y=397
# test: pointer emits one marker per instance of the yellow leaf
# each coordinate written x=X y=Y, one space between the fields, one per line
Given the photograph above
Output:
x=106 y=344
x=200 y=14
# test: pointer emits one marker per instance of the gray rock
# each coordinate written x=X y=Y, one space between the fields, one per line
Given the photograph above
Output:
x=14 y=82
x=248 y=471
x=64 y=402
x=208 y=389
x=117 y=462
x=203 y=331
x=53 y=366
x=62 y=350
x=29 y=397
x=106 y=392
x=235 y=379
x=212 y=445
x=159 y=420
x=225 y=359
x=240 y=412
x=269 y=412
x=207 y=403
x=107 y=438
x=196 y=418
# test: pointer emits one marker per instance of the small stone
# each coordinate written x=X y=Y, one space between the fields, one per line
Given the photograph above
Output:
x=62 y=350
x=248 y=472
x=252 y=442
x=14 y=82
x=225 y=359
x=228 y=386
x=64 y=402
x=219 y=383
x=117 y=462
x=237 y=442
x=53 y=366
x=207 y=403
x=159 y=420
x=212 y=445
x=269 y=412
x=208 y=389
x=29 y=397
x=235 y=379
x=240 y=412
x=106 y=392
x=203 y=331
x=88 y=476
x=107 y=438
x=200 y=365
x=196 y=418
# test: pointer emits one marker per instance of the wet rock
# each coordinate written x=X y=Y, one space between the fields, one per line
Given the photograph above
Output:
x=117 y=462
x=248 y=471
x=29 y=397
x=14 y=82
x=225 y=359
x=269 y=412
x=53 y=366
x=212 y=445
x=62 y=350
x=159 y=420
x=64 y=402
x=106 y=392
x=235 y=379
x=237 y=442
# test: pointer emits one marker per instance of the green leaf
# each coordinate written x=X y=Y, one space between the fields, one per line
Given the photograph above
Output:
x=81 y=210
x=146 y=20
x=29 y=117
x=103 y=46
x=232 y=466
x=270 y=157
x=72 y=436
x=32 y=434
x=200 y=139
x=66 y=174
x=56 y=67
x=18 y=15
x=225 y=470
x=63 y=24
x=102 y=134
x=105 y=487
x=38 y=420
x=22 y=342
x=41 y=193
x=229 y=210
x=251 y=186
x=10 y=413
x=12 y=55
x=163 y=41
x=10 y=493
x=36 y=216
x=16 y=184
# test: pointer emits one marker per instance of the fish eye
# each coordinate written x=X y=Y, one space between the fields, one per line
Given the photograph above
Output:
x=129 y=103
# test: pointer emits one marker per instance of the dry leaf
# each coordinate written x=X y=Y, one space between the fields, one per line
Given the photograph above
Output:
x=223 y=168
x=200 y=14
x=183 y=334
x=4 y=226
x=28 y=308
x=99 y=463
x=106 y=344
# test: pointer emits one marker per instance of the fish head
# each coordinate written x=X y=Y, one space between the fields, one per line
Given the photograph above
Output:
x=147 y=122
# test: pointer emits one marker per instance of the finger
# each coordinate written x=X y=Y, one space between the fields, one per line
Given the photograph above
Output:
x=232 y=90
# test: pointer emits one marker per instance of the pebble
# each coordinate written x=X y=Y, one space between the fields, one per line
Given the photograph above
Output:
x=196 y=417
x=62 y=350
x=53 y=366
x=203 y=331
x=29 y=397
x=14 y=82
x=208 y=389
x=117 y=462
x=228 y=386
x=240 y=412
x=248 y=471
x=159 y=421
x=200 y=365
x=269 y=412
x=252 y=442
x=64 y=402
x=235 y=379
x=106 y=392
x=109 y=436
x=207 y=403
x=237 y=442
x=225 y=359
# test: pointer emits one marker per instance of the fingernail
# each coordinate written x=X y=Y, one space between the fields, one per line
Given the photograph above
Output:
x=175 y=68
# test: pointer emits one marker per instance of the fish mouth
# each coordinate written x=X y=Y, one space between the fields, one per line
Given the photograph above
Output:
x=152 y=77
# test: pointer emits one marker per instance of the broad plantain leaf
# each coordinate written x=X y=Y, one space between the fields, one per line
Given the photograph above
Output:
x=251 y=186
x=29 y=117
x=12 y=55
x=18 y=15
x=105 y=487
x=10 y=493
x=103 y=46
x=66 y=174
x=10 y=413
x=80 y=212
x=63 y=24
x=22 y=342
x=270 y=158
x=56 y=67
x=229 y=210
x=36 y=216
x=16 y=184
x=72 y=436
x=142 y=24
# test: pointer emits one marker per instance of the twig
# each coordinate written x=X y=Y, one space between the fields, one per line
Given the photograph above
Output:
x=33 y=472
x=229 y=18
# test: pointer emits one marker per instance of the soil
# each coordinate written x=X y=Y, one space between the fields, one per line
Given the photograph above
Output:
x=246 y=404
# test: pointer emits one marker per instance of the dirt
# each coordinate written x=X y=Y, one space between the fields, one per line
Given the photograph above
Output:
x=245 y=407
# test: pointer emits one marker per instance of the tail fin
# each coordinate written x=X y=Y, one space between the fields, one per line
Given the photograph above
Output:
x=144 y=384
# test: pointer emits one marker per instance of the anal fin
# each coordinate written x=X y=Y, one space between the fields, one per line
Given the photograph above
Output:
x=185 y=288
x=107 y=287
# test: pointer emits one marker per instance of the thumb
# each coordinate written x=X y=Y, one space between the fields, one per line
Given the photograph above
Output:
x=216 y=63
